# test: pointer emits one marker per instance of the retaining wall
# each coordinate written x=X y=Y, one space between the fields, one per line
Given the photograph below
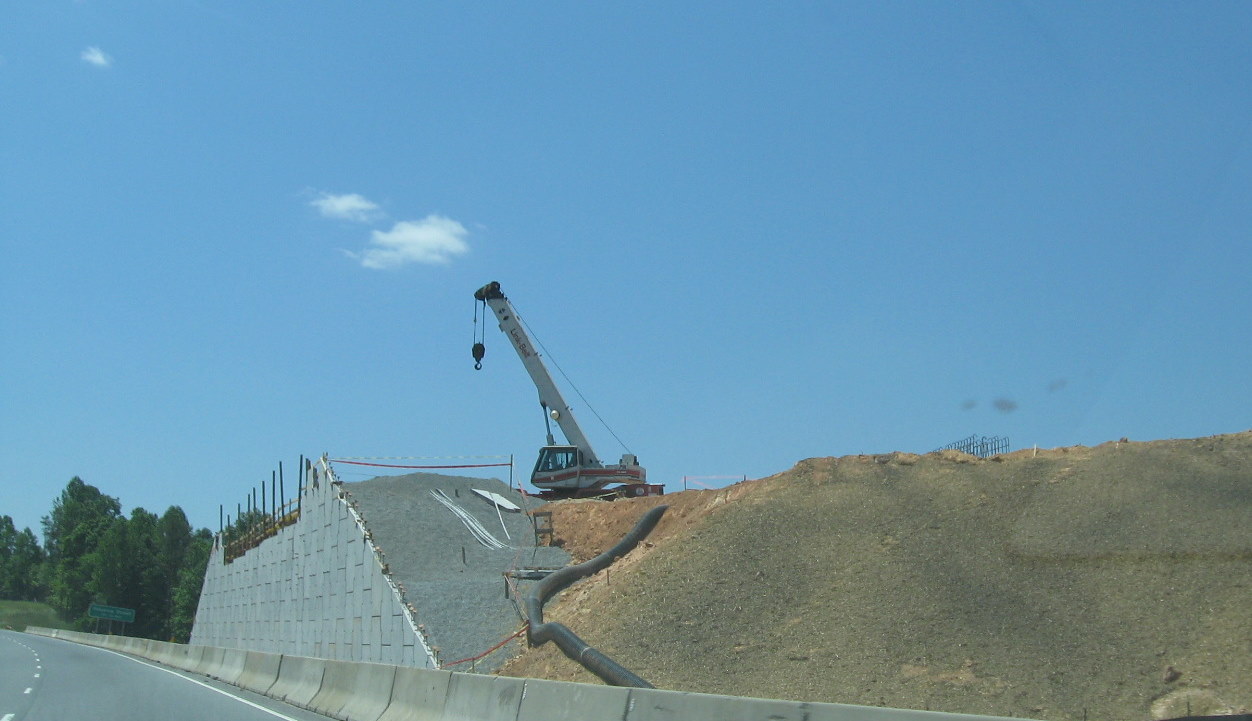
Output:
x=317 y=588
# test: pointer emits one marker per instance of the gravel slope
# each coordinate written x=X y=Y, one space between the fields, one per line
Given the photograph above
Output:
x=456 y=583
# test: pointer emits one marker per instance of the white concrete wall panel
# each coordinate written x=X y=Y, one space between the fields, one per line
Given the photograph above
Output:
x=317 y=589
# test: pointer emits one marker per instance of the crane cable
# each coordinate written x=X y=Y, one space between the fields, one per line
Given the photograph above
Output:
x=480 y=349
x=561 y=370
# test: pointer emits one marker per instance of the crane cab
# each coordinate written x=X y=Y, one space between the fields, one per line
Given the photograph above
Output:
x=557 y=467
x=564 y=470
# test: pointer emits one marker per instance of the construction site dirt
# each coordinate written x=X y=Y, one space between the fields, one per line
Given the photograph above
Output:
x=1107 y=582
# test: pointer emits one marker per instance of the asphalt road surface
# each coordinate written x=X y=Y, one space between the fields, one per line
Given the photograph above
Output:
x=47 y=679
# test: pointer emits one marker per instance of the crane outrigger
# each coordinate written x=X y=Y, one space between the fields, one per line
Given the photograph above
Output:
x=572 y=469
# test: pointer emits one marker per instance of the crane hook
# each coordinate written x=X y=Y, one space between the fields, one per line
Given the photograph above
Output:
x=479 y=351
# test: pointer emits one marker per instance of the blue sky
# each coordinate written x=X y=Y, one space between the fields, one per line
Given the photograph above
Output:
x=233 y=233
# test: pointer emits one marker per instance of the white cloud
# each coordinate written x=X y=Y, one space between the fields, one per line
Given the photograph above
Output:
x=96 y=56
x=433 y=240
x=347 y=207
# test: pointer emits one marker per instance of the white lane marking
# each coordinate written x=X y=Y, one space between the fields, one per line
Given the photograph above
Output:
x=36 y=675
x=26 y=691
x=228 y=694
x=7 y=717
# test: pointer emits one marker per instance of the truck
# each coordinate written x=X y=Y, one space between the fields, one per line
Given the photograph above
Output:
x=572 y=469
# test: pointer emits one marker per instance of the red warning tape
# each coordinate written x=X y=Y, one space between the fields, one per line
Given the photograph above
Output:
x=493 y=648
x=389 y=465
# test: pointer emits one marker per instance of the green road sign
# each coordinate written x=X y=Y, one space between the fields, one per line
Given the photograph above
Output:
x=112 y=613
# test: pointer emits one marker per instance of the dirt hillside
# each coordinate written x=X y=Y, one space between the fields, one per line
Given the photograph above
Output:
x=1102 y=583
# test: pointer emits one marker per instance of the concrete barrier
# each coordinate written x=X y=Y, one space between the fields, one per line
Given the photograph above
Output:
x=174 y=655
x=562 y=701
x=189 y=662
x=372 y=692
x=336 y=686
x=483 y=698
x=417 y=695
x=210 y=663
x=137 y=646
x=659 y=705
x=260 y=671
x=370 y=695
x=231 y=666
x=159 y=651
x=299 y=680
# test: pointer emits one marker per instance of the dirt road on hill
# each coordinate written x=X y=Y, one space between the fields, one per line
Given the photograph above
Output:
x=1106 y=583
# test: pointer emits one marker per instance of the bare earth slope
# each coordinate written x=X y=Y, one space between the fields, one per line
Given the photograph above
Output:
x=1104 y=583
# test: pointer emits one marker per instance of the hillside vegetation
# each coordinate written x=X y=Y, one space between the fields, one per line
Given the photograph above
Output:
x=93 y=554
x=17 y=615
x=1100 y=583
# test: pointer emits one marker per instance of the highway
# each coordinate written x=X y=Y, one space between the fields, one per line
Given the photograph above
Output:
x=47 y=679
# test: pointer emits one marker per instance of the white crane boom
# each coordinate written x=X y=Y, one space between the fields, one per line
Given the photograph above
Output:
x=550 y=397
x=570 y=468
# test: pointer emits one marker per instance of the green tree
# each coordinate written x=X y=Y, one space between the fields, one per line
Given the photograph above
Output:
x=96 y=555
x=108 y=566
x=24 y=569
x=72 y=534
x=125 y=571
x=190 y=582
x=174 y=537
x=8 y=545
x=249 y=523
x=8 y=542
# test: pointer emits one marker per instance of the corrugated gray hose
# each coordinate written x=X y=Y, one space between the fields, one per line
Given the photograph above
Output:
x=539 y=633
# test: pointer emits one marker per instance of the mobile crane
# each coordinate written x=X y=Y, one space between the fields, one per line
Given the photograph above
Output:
x=572 y=469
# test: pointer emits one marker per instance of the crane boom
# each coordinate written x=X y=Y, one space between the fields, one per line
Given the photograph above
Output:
x=574 y=468
x=550 y=397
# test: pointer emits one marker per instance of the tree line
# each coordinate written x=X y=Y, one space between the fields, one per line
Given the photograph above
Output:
x=92 y=553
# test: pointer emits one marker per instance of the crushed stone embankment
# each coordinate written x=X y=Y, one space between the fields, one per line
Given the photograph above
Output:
x=455 y=582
